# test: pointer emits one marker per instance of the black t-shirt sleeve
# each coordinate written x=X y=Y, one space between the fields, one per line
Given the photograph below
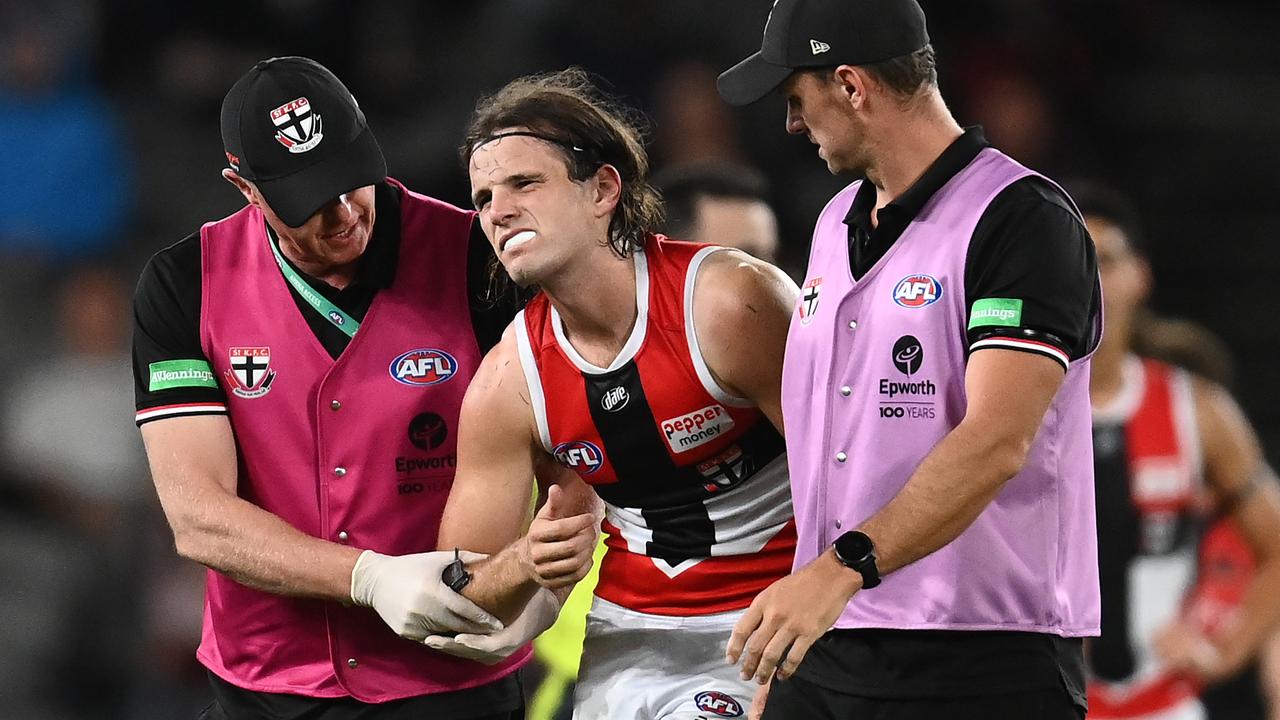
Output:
x=171 y=375
x=494 y=298
x=1031 y=277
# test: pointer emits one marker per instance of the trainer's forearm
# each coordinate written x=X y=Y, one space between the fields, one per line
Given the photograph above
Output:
x=946 y=493
x=260 y=550
x=500 y=585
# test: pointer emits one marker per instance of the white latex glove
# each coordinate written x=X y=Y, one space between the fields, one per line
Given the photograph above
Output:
x=409 y=596
x=493 y=648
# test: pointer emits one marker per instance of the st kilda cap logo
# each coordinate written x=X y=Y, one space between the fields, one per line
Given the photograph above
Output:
x=291 y=126
x=824 y=33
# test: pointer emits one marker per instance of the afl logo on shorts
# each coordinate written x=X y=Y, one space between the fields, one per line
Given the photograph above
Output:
x=718 y=703
x=579 y=455
x=423 y=367
x=916 y=291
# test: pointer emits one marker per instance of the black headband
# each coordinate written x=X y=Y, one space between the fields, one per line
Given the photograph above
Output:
x=529 y=133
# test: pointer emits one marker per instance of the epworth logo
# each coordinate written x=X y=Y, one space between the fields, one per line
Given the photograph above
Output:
x=299 y=129
x=917 y=291
x=423 y=367
x=250 y=374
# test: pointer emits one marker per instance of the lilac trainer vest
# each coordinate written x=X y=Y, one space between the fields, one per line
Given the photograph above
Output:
x=874 y=378
x=361 y=450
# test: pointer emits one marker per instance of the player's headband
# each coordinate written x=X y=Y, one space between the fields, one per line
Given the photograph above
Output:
x=584 y=153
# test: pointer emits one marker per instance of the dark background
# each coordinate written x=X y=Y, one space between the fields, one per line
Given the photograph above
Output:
x=110 y=150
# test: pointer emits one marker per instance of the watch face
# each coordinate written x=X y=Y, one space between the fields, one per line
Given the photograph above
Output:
x=853 y=546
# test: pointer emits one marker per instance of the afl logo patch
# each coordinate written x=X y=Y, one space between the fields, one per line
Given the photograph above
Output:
x=579 y=455
x=422 y=367
x=615 y=399
x=718 y=703
x=917 y=291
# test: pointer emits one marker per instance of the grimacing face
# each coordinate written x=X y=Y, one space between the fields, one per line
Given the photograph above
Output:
x=535 y=216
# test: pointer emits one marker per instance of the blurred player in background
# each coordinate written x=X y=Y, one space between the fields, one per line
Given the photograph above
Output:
x=1183 y=607
x=647 y=369
x=722 y=203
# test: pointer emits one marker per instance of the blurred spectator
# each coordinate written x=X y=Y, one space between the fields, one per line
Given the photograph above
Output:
x=83 y=475
x=719 y=203
x=65 y=188
x=1182 y=609
x=692 y=123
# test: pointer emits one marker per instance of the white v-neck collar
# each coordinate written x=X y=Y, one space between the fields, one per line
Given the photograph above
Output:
x=636 y=338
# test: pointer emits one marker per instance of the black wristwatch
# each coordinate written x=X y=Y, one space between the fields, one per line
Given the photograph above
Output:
x=455 y=574
x=855 y=550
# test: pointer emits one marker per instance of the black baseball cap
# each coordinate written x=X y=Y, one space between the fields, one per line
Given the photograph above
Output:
x=294 y=129
x=824 y=33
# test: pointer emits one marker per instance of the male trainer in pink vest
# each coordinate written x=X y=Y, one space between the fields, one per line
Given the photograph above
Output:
x=300 y=367
x=935 y=396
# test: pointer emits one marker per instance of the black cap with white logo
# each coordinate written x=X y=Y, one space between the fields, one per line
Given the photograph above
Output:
x=822 y=33
x=294 y=129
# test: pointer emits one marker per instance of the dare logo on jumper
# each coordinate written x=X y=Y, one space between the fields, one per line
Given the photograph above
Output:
x=422 y=367
x=579 y=455
x=917 y=291
x=718 y=703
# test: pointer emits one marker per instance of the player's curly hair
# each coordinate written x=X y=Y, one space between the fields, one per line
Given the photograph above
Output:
x=590 y=129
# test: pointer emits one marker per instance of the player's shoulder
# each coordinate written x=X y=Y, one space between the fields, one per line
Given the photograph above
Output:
x=729 y=279
x=500 y=367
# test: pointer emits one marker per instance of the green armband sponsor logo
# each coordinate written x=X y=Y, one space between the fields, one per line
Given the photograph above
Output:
x=1006 y=312
x=181 y=373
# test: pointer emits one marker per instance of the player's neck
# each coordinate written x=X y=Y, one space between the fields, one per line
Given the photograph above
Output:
x=596 y=301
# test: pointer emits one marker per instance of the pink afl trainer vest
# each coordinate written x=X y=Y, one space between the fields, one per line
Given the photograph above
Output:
x=874 y=379
x=360 y=450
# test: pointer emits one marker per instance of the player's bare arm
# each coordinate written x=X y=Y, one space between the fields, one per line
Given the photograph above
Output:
x=193 y=463
x=488 y=508
x=1241 y=482
x=1009 y=393
x=742 y=309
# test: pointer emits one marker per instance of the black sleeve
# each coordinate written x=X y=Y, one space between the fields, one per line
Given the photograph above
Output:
x=1031 y=277
x=171 y=375
x=494 y=298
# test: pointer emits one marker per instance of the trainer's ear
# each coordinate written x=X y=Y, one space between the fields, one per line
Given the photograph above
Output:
x=244 y=186
x=853 y=82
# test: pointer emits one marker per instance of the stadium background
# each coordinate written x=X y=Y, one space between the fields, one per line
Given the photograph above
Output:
x=110 y=147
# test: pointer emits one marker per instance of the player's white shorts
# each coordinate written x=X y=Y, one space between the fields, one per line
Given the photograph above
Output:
x=637 y=666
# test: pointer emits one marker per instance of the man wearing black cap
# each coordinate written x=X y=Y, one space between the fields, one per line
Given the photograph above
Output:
x=299 y=368
x=935 y=397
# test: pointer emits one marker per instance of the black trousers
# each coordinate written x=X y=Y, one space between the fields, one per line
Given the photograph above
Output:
x=501 y=700
x=797 y=699
x=347 y=710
